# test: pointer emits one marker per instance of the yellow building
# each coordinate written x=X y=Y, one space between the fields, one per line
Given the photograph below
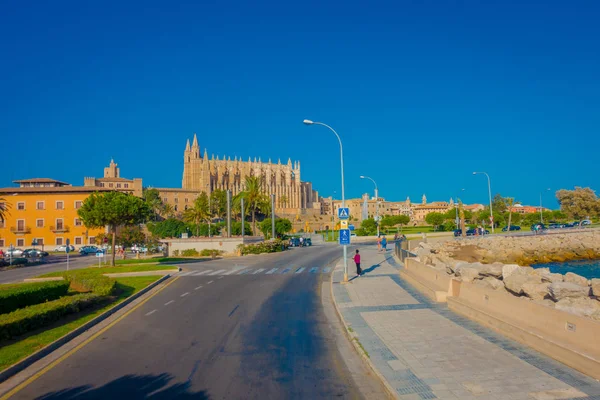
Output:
x=46 y=210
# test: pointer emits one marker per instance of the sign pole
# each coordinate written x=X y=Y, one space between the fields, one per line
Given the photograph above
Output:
x=67 y=249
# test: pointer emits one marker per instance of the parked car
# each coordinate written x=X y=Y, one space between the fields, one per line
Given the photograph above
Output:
x=352 y=234
x=63 y=248
x=30 y=253
x=539 y=227
x=294 y=242
x=512 y=228
x=555 y=225
x=307 y=241
x=478 y=231
x=586 y=222
x=457 y=232
x=15 y=252
x=85 y=250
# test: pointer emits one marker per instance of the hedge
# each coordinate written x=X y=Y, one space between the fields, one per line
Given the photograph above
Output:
x=91 y=281
x=29 y=318
x=271 y=246
x=13 y=297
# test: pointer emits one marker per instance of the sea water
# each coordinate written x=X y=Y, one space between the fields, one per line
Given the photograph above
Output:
x=586 y=268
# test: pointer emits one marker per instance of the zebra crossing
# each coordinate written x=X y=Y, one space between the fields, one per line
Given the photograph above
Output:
x=258 y=271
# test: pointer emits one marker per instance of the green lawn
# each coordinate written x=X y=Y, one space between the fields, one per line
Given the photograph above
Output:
x=14 y=350
x=112 y=270
x=155 y=260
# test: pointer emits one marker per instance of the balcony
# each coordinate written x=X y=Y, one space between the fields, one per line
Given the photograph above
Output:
x=59 y=229
x=20 y=230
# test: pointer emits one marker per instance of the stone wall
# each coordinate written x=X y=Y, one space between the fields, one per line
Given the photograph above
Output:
x=228 y=245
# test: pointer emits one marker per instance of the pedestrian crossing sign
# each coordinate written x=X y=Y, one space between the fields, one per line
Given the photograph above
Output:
x=343 y=213
x=344 y=236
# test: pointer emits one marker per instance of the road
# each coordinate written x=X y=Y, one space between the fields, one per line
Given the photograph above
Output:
x=244 y=328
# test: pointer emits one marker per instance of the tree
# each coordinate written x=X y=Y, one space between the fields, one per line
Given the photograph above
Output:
x=3 y=209
x=579 y=203
x=168 y=211
x=510 y=201
x=254 y=198
x=198 y=212
x=218 y=204
x=282 y=226
x=435 y=219
x=152 y=198
x=368 y=227
x=131 y=235
x=499 y=203
x=393 y=220
x=283 y=200
x=170 y=227
x=113 y=209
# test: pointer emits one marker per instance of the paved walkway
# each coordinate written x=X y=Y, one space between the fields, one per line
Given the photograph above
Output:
x=425 y=351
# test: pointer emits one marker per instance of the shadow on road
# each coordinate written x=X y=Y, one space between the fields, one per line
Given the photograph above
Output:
x=131 y=387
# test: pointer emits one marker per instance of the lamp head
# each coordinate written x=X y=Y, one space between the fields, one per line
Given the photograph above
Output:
x=308 y=122
x=362 y=177
x=474 y=173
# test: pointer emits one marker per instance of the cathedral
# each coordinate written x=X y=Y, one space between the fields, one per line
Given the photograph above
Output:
x=203 y=174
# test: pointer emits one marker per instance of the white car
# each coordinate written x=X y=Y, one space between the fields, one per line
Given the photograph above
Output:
x=63 y=248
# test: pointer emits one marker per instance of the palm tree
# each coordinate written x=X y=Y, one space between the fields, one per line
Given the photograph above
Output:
x=198 y=213
x=254 y=198
x=3 y=210
x=168 y=210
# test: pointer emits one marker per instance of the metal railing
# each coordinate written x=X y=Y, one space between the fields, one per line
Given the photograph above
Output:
x=59 y=229
x=20 y=229
x=401 y=250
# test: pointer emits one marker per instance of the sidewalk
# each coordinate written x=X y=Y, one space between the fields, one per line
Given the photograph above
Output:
x=424 y=351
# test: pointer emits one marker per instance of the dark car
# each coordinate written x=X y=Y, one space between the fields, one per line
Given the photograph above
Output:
x=538 y=227
x=34 y=253
x=512 y=228
x=294 y=242
x=556 y=226
x=479 y=231
x=88 y=250
x=457 y=232
x=307 y=241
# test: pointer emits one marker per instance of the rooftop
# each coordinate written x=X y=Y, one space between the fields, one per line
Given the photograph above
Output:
x=53 y=189
x=41 y=180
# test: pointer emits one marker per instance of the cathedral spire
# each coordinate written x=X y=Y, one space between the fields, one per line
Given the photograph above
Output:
x=289 y=161
x=195 y=142
x=205 y=154
x=187 y=145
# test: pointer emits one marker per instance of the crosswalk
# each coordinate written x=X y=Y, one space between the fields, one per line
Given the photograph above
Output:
x=258 y=271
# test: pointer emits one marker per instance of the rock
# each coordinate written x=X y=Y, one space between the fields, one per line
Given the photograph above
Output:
x=596 y=287
x=493 y=270
x=545 y=302
x=582 y=306
x=467 y=274
x=576 y=279
x=508 y=269
x=491 y=283
x=563 y=290
x=536 y=291
x=519 y=277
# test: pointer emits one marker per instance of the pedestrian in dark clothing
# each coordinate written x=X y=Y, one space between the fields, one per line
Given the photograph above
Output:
x=357 y=261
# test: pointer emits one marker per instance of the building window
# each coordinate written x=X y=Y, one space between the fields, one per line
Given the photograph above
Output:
x=110 y=185
x=39 y=223
x=176 y=199
x=40 y=241
x=175 y=208
x=21 y=205
x=59 y=223
x=78 y=222
x=20 y=242
x=186 y=200
x=60 y=205
x=92 y=240
x=2 y=224
x=1 y=242
x=101 y=184
x=78 y=240
x=59 y=241
x=126 y=185
x=118 y=185
x=185 y=208
x=20 y=225
x=165 y=200
x=39 y=205
x=78 y=204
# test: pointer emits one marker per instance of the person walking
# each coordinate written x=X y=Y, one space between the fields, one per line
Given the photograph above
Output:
x=357 y=262
x=384 y=244
x=378 y=243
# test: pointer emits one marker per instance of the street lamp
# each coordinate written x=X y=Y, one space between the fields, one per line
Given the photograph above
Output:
x=345 y=250
x=490 y=194
x=456 y=209
x=541 y=209
x=209 y=209
x=376 y=200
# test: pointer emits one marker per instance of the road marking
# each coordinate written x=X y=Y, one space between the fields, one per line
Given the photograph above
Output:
x=258 y=271
x=203 y=272
x=208 y=283
x=169 y=302
x=299 y=270
x=197 y=288
x=218 y=272
x=185 y=294
x=232 y=311
x=186 y=273
x=78 y=347
x=314 y=270
x=285 y=271
x=244 y=272
x=230 y=272
x=221 y=277
x=151 y=312
x=272 y=271
x=326 y=270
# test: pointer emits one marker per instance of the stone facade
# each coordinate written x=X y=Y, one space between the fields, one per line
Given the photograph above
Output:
x=206 y=175
x=112 y=180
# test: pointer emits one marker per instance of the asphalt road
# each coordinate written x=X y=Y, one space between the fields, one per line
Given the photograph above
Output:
x=55 y=263
x=236 y=336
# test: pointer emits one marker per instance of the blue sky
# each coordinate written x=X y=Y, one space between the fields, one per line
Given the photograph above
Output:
x=421 y=92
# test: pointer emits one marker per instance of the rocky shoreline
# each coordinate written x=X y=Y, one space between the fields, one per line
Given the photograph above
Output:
x=501 y=263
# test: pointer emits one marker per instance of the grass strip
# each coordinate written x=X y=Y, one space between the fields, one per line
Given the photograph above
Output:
x=113 y=270
x=154 y=260
x=12 y=351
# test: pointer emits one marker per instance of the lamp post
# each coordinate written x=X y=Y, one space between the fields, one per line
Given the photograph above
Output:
x=209 y=209
x=541 y=209
x=273 y=216
x=456 y=209
x=376 y=200
x=490 y=194
x=345 y=250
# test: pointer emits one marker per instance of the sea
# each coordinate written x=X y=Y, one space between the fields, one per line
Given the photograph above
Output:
x=586 y=268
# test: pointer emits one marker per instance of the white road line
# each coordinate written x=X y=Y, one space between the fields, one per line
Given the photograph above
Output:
x=299 y=270
x=203 y=272
x=242 y=272
x=258 y=271
x=151 y=312
x=285 y=271
x=186 y=273
x=197 y=288
x=169 y=302
x=314 y=270
x=208 y=283
x=271 y=271
x=230 y=272
x=221 y=277
x=218 y=272
x=185 y=294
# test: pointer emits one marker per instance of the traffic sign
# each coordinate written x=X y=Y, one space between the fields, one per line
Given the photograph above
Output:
x=344 y=224
x=344 y=236
x=351 y=227
x=99 y=254
x=343 y=213
x=68 y=246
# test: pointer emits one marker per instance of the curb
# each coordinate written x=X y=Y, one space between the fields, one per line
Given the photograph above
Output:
x=391 y=391
x=38 y=355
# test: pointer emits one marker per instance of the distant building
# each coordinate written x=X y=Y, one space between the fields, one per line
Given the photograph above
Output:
x=112 y=180
x=474 y=207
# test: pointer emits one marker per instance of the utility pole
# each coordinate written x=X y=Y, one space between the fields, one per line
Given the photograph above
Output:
x=273 y=216
x=229 y=213
x=243 y=218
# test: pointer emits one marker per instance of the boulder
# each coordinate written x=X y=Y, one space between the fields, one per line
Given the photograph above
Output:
x=596 y=287
x=583 y=306
x=519 y=277
x=563 y=290
x=491 y=283
x=576 y=279
x=467 y=274
x=508 y=269
x=493 y=270
x=536 y=291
